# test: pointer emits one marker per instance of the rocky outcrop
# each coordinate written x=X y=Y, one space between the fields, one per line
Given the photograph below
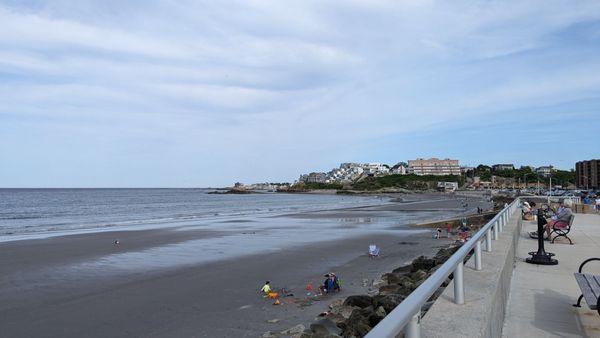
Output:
x=357 y=314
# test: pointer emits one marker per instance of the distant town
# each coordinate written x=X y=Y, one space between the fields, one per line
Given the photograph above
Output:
x=441 y=174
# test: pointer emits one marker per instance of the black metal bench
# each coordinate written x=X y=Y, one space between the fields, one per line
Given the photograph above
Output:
x=564 y=231
x=590 y=287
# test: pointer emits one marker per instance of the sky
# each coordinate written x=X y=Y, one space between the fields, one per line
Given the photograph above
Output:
x=206 y=93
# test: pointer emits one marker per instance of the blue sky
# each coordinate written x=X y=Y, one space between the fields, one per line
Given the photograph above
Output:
x=193 y=93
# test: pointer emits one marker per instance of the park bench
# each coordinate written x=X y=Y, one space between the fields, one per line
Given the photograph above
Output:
x=562 y=231
x=590 y=287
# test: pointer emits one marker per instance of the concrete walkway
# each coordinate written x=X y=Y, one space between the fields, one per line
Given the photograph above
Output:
x=541 y=297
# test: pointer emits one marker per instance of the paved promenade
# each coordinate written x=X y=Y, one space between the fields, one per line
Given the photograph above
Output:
x=541 y=297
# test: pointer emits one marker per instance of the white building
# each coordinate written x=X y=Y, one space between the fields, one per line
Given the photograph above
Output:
x=398 y=169
x=434 y=166
x=544 y=170
x=447 y=186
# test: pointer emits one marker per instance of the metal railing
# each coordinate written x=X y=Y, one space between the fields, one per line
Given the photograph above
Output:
x=407 y=315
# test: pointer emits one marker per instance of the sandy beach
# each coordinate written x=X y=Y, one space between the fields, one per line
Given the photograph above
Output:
x=85 y=286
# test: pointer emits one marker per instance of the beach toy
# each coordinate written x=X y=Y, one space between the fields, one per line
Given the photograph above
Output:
x=277 y=302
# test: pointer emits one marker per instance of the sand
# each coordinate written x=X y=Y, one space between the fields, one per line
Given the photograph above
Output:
x=64 y=287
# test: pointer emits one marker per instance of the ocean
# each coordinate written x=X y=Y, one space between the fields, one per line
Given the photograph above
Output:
x=36 y=213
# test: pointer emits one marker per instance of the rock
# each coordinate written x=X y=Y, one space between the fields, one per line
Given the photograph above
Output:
x=304 y=335
x=391 y=278
x=273 y=321
x=294 y=330
x=357 y=325
x=402 y=269
x=376 y=316
x=389 y=289
x=378 y=282
x=325 y=327
x=380 y=311
x=344 y=310
x=443 y=254
x=419 y=276
x=269 y=334
x=423 y=263
x=336 y=303
x=387 y=302
x=361 y=301
x=337 y=318
x=365 y=282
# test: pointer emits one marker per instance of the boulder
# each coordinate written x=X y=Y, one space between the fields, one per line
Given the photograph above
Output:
x=380 y=311
x=336 y=303
x=337 y=318
x=443 y=254
x=304 y=335
x=361 y=301
x=357 y=325
x=269 y=334
x=338 y=308
x=403 y=269
x=387 y=302
x=293 y=330
x=325 y=328
x=389 y=289
x=423 y=263
x=419 y=276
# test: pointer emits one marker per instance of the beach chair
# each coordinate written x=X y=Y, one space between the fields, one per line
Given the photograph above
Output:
x=373 y=251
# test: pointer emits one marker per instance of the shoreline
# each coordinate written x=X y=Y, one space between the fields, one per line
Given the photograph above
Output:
x=49 y=284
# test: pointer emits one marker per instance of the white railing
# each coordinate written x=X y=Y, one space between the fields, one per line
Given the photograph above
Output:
x=407 y=315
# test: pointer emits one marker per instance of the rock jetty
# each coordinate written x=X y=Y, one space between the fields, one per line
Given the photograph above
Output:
x=356 y=315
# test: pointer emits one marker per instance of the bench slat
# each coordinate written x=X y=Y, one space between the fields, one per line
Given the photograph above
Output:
x=590 y=288
x=595 y=284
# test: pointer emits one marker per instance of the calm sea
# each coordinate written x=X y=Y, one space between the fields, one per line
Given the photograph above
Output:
x=26 y=213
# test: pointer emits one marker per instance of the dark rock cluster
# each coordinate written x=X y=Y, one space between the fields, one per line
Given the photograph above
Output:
x=356 y=315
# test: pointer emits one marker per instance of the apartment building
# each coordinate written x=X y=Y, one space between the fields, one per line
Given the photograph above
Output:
x=434 y=166
x=587 y=174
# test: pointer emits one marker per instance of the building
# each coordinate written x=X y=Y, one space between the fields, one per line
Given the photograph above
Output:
x=587 y=174
x=544 y=171
x=447 y=186
x=314 y=178
x=501 y=167
x=398 y=169
x=433 y=166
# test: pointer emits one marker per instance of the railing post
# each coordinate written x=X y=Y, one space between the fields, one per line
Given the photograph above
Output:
x=459 y=290
x=500 y=223
x=413 y=328
x=496 y=230
x=488 y=241
x=478 y=255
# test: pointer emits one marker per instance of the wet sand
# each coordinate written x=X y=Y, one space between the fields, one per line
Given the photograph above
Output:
x=66 y=287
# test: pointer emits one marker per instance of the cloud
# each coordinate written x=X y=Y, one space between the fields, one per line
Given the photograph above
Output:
x=292 y=85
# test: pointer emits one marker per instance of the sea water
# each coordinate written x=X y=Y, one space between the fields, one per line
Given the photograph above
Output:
x=35 y=213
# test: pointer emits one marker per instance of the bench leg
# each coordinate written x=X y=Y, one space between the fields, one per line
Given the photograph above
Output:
x=578 y=301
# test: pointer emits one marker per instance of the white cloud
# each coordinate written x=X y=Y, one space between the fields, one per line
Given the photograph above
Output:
x=303 y=73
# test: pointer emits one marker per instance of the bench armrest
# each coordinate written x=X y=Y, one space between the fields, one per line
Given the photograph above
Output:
x=587 y=261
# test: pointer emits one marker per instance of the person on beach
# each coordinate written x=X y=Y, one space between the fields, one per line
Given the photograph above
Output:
x=266 y=289
x=448 y=230
x=330 y=284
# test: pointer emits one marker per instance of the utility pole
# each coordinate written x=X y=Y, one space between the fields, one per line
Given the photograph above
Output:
x=550 y=193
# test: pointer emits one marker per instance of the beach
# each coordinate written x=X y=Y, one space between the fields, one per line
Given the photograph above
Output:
x=167 y=282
